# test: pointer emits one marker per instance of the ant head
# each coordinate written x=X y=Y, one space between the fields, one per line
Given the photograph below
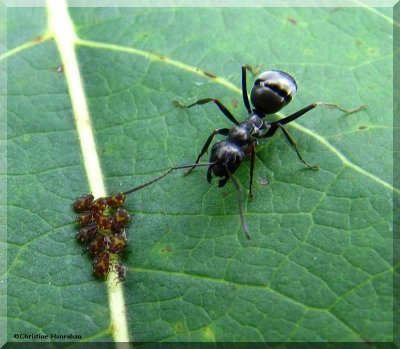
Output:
x=272 y=90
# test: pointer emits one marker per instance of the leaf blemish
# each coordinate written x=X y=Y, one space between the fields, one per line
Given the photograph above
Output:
x=38 y=38
x=166 y=249
x=179 y=327
x=210 y=75
x=362 y=127
x=372 y=51
x=292 y=20
x=358 y=43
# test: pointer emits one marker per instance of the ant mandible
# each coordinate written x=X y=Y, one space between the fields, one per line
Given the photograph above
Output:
x=272 y=90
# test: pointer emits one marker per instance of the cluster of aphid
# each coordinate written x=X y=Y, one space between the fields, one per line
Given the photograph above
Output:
x=102 y=230
x=102 y=227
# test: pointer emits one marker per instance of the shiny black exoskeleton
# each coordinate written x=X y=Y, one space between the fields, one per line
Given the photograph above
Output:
x=272 y=90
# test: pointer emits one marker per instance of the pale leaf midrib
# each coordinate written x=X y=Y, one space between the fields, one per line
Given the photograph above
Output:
x=60 y=24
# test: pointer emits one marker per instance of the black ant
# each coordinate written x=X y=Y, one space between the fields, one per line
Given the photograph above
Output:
x=272 y=90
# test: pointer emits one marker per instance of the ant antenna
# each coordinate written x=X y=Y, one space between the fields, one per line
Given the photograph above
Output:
x=240 y=203
x=165 y=174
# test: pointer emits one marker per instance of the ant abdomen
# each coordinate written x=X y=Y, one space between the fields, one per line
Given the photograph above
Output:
x=272 y=90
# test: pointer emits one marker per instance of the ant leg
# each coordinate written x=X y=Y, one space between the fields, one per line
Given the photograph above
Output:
x=252 y=160
x=294 y=145
x=244 y=89
x=344 y=110
x=253 y=70
x=219 y=131
x=240 y=204
x=209 y=174
x=301 y=112
x=274 y=126
x=271 y=127
x=221 y=107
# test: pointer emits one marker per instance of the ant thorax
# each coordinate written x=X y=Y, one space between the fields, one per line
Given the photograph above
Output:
x=256 y=122
x=244 y=133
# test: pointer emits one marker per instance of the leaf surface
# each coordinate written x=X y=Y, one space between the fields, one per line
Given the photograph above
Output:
x=318 y=266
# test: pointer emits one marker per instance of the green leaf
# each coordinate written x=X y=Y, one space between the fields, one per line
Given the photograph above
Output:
x=318 y=266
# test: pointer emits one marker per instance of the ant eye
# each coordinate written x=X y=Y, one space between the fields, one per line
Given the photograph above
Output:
x=272 y=90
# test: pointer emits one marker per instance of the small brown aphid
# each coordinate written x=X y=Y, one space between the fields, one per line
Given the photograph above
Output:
x=84 y=218
x=120 y=269
x=116 y=200
x=101 y=265
x=98 y=245
x=120 y=219
x=99 y=205
x=120 y=232
x=83 y=203
x=103 y=222
x=117 y=243
x=86 y=233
